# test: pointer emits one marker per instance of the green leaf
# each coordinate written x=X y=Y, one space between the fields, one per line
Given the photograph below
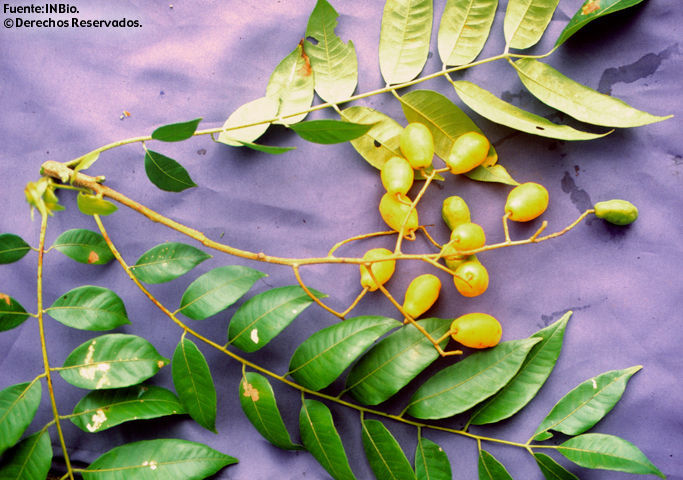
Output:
x=404 y=39
x=431 y=462
x=12 y=314
x=529 y=379
x=12 y=248
x=551 y=469
x=103 y=409
x=194 y=384
x=607 y=452
x=334 y=63
x=330 y=131
x=18 y=406
x=444 y=119
x=385 y=456
x=167 y=261
x=259 y=405
x=464 y=384
x=581 y=102
x=111 y=361
x=488 y=105
x=89 y=308
x=176 y=132
x=490 y=468
x=30 y=459
x=589 y=11
x=254 y=113
x=494 y=173
x=216 y=290
x=93 y=205
x=464 y=28
x=86 y=161
x=586 y=404
x=163 y=459
x=291 y=84
x=526 y=20
x=272 y=150
x=84 y=246
x=323 y=356
x=381 y=142
x=264 y=316
x=321 y=439
x=395 y=361
x=166 y=173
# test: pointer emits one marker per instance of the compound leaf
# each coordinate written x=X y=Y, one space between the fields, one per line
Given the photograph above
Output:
x=18 y=406
x=381 y=142
x=431 y=462
x=256 y=113
x=167 y=261
x=29 y=459
x=384 y=454
x=321 y=439
x=464 y=384
x=162 y=459
x=166 y=173
x=264 y=316
x=93 y=205
x=607 y=452
x=581 y=102
x=323 y=356
x=526 y=20
x=103 y=409
x=216 y=290
x=12 y=248
x=89 y=308
x=84 y=246
x=589 y=11
x=291 y=84
x=464 y=28
x=395 y=361
x=586 y=404
x=551 y=469
x=111 y=361
x=330 y=131
x=259 y=405
x=194 y=384
x=490 y=468
x=529 y=379
x=12 y=314
x=404 y=39
x=499 y=111
x=334 y=63
x=176 y=132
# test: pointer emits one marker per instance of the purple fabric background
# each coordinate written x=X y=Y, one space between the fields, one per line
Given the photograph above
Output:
x=63 y=92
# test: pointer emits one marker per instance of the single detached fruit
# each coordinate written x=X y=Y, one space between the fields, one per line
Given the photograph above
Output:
x=394 y=209
x=618 y=212
x=471 y=278
x=476 y=330
x=468 y=152
x=421 y=294
x=526 y=202
x=417 y=145
x=467 y=236
x=382 y=271
x=397 y=175
x=455 y=211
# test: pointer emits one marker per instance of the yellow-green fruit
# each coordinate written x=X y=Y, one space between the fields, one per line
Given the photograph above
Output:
x=468 y=152
x=618 y=212
x=394 y=209
x=417 y=145
x=471 y=278
x=452 y=257
x=421 y=294
x=382 y=271
x=476 y=330
x=467 y=236
x=397 y=175
x=455 y=211
x=526 y=202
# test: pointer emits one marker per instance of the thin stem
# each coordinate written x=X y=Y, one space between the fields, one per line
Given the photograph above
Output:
x=43 y=343
x=314 y=297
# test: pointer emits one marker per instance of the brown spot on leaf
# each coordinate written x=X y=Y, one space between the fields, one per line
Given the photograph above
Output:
x=590 y=7
x=93 y=257
x=306 y=68
x=6 y=298
x=250 y=391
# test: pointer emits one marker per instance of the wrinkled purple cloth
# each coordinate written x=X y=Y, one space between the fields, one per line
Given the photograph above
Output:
x=66 y=91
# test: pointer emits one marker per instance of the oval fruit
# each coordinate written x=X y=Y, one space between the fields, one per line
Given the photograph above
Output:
x=394 y=209
x=421 y=294
x=471 y=278
x=417 y=145
x=467 y=236
x=382 y=271
x=454 y=211
x=618 y=212
x=468 y=152
x=397 y=175
x=526 y=202
x=476 y=330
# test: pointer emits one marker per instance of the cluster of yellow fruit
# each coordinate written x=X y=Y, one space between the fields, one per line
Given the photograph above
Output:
x=525 y=202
